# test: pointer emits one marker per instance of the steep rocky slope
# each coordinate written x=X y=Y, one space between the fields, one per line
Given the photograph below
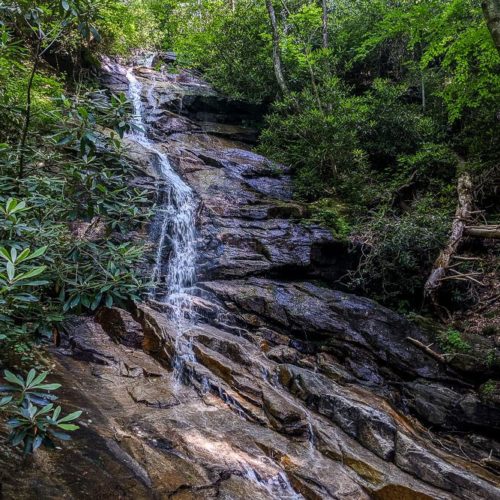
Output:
x=278 y=385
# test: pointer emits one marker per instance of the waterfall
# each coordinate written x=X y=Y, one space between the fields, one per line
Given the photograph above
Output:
x=175 y=228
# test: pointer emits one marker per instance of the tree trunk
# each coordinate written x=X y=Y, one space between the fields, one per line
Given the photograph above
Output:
x=278 y=70
x=422 y=81
x=314 y=86
x=462 y=215
x=491 y=11
x=324 y=6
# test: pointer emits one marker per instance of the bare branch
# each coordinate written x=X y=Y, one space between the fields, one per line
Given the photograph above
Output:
x=427 y=349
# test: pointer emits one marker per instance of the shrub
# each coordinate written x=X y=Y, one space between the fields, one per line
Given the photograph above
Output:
x=400 y=251
x=77 y=173
x=32 y=417
x=452 y=342
x=331 y=214
x=322 y=145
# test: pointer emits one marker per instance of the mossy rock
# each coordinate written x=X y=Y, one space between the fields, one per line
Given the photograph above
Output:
x=490 y=391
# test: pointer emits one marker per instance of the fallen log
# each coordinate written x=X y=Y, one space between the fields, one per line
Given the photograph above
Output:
x=462 y=216
x=484 y=231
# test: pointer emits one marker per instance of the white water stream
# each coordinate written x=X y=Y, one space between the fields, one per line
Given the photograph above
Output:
x=176 y=211
x=174 y=231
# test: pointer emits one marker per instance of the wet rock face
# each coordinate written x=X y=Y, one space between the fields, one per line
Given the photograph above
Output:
x=247 y=222
x=121 y=326
x=289 y=389
x=369 y=340
x=349 y=326
x=244 y=426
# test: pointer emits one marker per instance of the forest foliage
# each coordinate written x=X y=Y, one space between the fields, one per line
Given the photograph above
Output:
x=386 y=104
x=62 y=173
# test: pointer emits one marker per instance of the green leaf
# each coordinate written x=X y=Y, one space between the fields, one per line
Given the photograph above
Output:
x=31 y=376
x=22 y=256
x=17 y=207
x=96 y=302
x=65 y=140
x=11 y=271
x=36 y=283
x=13 y=423
x=69 y=427
x=25 y=297
x=31 y=274
x=37 y=253
x=4 y=253
x=60 y=435
x=48 y=387
x=109 y=300
x=86 y=301
x=18 y=437
x=71 y=416
x=40 y=378
x=37 y=442
x=5 y=400
x=11 y=204
x=13 y=379
x=74 y=301
x=46 y=409
x=32 y=410
x=57 y=412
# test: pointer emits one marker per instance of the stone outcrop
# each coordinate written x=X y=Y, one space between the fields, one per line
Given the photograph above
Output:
x=147 y=435
x=279 y=385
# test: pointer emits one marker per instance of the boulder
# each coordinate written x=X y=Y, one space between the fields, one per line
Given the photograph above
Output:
x=446 y=407
x=352 y=327
x=121 y=326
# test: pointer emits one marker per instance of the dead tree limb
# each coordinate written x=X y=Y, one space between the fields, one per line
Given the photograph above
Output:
x=462 y=216
x=427 y=349
x=483 y=231
x=464 y=276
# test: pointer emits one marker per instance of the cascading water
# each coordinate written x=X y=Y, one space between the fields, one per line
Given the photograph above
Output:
x=174 y=229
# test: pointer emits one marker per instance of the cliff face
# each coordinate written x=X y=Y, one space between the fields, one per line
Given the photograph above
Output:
x=278 y=386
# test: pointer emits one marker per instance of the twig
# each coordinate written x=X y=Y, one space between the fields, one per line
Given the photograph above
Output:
x=488 y=302
x=460 y=278
x=427 y=349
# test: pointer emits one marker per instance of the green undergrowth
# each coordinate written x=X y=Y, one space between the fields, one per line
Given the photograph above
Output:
x=451 y=341
x=331 y=214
